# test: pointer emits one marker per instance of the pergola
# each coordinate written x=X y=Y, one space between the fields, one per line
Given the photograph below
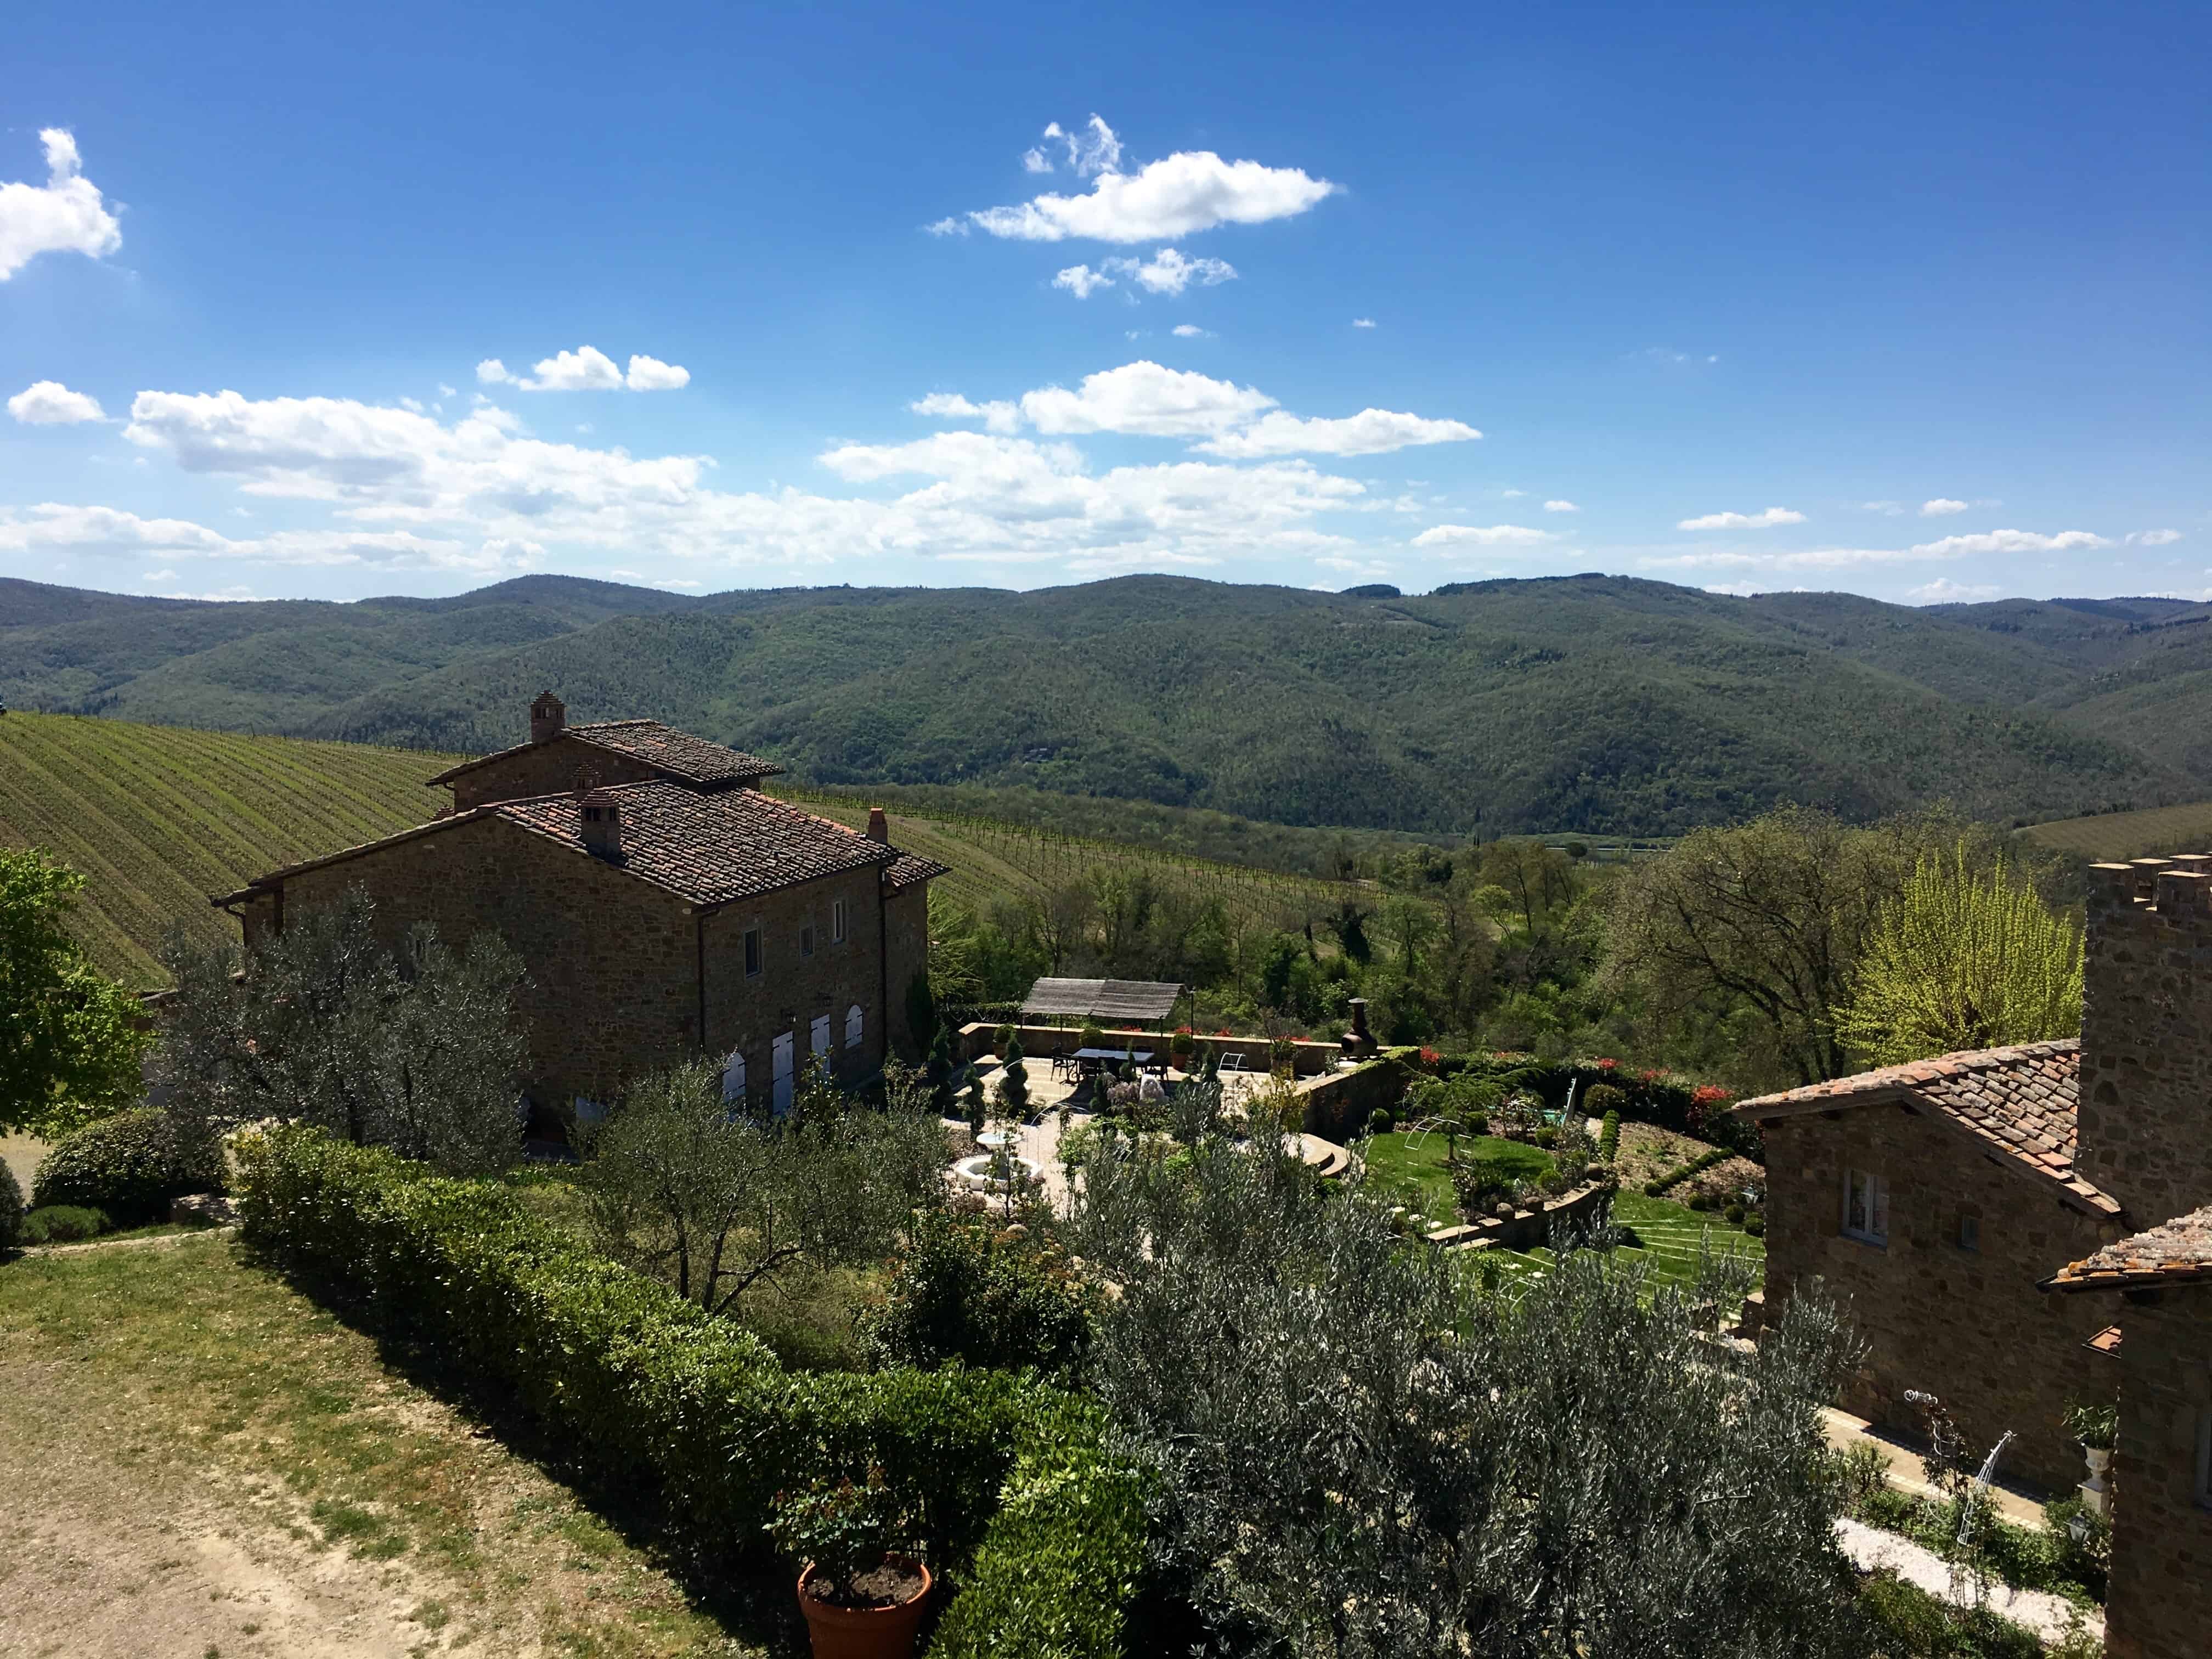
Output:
x=1109 y=1002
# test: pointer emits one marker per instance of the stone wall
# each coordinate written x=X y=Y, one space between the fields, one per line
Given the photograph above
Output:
x=1968 y=1325
x=547 y=768
x=906 y=954
x=2145 y=1123
x=1337 y=1102
x=793 y=989
x=2159 y=1605
x=1309 y=1057
x=1525 y=1229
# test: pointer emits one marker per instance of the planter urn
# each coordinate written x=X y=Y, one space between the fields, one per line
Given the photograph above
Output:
x=840 y=1632
x=2095 y=1494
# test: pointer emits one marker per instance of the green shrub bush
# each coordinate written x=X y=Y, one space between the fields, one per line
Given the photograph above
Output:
x=1754 y=1225
x=1380 y=1123
x=63 y=1224
x=1608 y=1138
x=11 y=1209
x=1682 y=1172
x=963 y=1292
x=1042 y=1530
x=127 y=1165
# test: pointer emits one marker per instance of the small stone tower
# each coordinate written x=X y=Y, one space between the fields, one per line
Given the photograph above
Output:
x=2146 y=1110
x=549 y=715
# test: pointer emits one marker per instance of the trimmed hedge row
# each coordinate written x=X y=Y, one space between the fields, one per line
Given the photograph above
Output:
x=1043 y=1532
x=1682 y=1172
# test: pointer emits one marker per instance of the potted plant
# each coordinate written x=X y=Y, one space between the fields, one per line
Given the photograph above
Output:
x=1181 y=1046
x=2094 y=1427
x=860 y=1588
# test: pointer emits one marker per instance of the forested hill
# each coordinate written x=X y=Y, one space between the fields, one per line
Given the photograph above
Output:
x=1588 y=702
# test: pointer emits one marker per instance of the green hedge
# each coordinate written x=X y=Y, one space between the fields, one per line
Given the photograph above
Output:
x=1682 y=1172
x=1041 y=1531
x=125 y=1164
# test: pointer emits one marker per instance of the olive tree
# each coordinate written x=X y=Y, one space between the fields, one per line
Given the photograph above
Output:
x=416 y=1047
x=715 y=1199
x=1360 y=1451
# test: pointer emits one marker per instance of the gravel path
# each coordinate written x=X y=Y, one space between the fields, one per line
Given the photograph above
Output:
x=2049 y=1616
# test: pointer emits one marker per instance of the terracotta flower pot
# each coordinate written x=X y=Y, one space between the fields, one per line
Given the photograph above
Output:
x=864 y=1632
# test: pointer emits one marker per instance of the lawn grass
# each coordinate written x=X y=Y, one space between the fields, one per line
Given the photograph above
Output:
x=196 y=1371
x=1407 y=1167
x=1671 y=1235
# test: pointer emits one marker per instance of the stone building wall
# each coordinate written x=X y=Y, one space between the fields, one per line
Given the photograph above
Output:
x=547 y=768
x=1968 y=1325
x=2159 y=1605
x=906 y=953
x=794 y=989
x=610 y=959
x=2146 y=1122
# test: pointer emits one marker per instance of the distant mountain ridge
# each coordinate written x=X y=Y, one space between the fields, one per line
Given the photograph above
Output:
x=1600 y=703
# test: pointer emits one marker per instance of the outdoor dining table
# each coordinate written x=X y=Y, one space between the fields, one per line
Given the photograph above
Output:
x=1089 y=1060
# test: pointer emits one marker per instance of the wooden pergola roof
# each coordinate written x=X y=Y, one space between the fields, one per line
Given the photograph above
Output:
x=1130 y=1001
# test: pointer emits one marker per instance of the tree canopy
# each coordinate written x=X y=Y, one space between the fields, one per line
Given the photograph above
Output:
x=71 y=1038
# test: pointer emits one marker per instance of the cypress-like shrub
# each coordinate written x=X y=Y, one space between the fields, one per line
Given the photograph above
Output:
x=11 y=1209
x=1040 y=1529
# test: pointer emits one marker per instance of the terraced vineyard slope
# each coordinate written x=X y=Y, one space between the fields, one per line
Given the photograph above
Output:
x=2130 y=834
x=158 y=818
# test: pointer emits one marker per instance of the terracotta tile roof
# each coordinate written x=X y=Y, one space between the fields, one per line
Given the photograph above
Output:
x=706 y=849
x=910 y=867
x=2177 y=1252
x=710 y=848
x=2023 y=1099
x=680 y=755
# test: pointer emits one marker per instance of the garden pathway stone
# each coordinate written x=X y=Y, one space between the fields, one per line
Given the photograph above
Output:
x=2049 y=1616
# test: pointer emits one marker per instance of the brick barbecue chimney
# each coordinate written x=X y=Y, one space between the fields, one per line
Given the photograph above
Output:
x=879 y=829
x=547 y=716
x=600 y=812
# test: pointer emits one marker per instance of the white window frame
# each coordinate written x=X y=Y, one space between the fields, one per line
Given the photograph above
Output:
x=837 y=921
x=1876 y=1187
x=856 y=1024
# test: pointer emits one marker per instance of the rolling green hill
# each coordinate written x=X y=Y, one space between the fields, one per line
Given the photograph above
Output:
x=2114 y=837
x=1586 y=704
x=161 y=818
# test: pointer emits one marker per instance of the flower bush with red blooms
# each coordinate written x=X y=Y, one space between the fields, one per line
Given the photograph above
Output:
x=1606 y=1065
x=1431 y=1056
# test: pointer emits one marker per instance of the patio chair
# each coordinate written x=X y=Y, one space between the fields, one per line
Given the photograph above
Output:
x=1232 y=1062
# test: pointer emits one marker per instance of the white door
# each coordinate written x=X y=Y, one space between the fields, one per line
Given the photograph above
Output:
x=853 y=1023
x=734 y=1076
x=782 y=1072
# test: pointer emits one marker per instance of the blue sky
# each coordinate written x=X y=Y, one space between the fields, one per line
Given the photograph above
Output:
x=1909 y=301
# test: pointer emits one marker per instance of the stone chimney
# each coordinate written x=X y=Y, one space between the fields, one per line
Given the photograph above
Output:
x=879 y=829
x=600 y=812
x=2145 y=1130
x=547 y=716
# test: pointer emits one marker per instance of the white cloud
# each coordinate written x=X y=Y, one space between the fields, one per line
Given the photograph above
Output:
x=492 y=371
x=1949 y=547
x=2134 y=537
x=1002 y=417
x=157 y=575
x=1512 y=494
x=2009 y=541
x=584 y=370
x=1496 y=535
x=1367 y=569
x=947 y=227
x=48 y=403
x=1370 y=432
x=1168 y=272
x=1363 y=322
x=413 y=403
x=65 y=215
x=445 y=391
x=1891 y=509
x=1179 y=195
x=1081 y=281
x=1092 y=149
x=1942 y=507
x=1146 y=400
x=1764 y=521
x=104 y=530
x=1944 y=591
x=1036 y=160
x=1561 y=507
x=678 y=582
x=1191 y=332
x=651 y=375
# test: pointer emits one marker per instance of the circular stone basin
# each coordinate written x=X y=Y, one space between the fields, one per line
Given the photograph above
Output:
x=976 y=1172
x=994 y=1140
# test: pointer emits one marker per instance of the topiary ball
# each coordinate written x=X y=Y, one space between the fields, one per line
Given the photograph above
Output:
x=1379 y=1123
x=126 y=1166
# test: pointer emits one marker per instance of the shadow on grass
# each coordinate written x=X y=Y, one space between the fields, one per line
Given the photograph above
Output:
x=746 y=1590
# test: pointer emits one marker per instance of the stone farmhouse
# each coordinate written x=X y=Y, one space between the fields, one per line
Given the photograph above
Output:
x=664 y=906
x=2018 y=1229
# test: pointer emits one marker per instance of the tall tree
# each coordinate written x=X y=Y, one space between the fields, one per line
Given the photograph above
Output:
x=1963 y=959
x=71 y=1038
x=1770 y=916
